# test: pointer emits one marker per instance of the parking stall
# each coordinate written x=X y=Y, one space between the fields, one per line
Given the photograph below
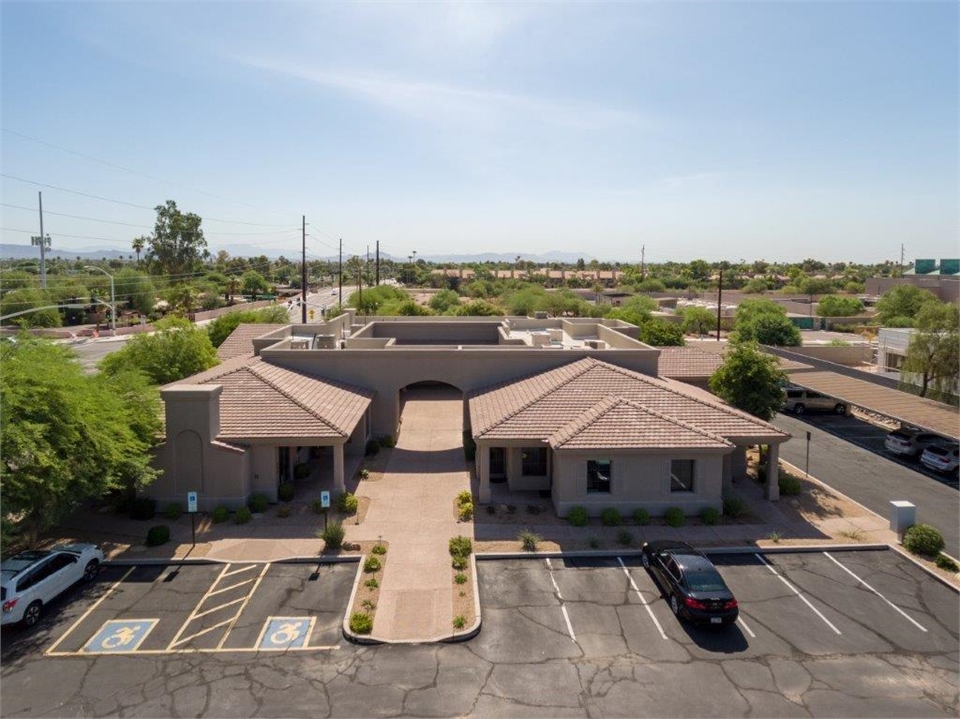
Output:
x=198 y=608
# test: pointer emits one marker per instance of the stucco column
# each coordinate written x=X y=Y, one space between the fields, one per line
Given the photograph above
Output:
x=338 y=485
x=738 y=462
x=291 y=459
x=727 y=471
x=483 y=472
x=772 y=491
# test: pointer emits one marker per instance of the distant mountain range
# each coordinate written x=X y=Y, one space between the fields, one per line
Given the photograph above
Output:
x=27 y=252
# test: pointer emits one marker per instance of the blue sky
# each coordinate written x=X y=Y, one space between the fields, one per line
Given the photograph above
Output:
x=725 y=131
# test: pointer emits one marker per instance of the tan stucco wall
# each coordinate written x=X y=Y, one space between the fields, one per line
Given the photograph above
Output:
x=223 y=474
x=514 y=464
x=639 y=480
x=263 y=470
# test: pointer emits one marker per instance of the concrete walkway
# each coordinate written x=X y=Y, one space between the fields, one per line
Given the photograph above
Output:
x=412 y=508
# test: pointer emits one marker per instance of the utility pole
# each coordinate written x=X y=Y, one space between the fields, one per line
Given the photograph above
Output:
x=378 y=263
x=340 y=274
x=366 y=268
x=303 y=277
x=643 y=264
x=719 y=302
x=44 y=242
x=901 y=245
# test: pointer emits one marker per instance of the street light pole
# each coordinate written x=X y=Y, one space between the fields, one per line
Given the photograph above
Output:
x=113 y=299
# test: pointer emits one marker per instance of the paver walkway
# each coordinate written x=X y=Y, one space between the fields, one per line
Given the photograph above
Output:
x=412 y=509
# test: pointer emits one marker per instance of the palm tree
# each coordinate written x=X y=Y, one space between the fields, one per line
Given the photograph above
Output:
x=138 y=244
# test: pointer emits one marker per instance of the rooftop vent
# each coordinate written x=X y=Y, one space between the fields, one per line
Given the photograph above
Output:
x=595 y=344
x=556 y=334
x=540 y=315
x=539 y=339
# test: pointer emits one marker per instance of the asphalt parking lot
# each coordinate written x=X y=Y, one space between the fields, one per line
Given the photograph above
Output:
x=559 y=638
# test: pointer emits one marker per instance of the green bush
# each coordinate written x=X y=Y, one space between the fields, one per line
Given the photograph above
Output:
x=459 y=563
x=460 y=546
x=577 y=516
x=464 y=497
x=710 y=516
x=220 y=515
x=173 y=511
x=333 y=534
x=371 y=584
x=465 y=511
x=460 y=578
x=364 y=473
x=923 y=539
x=347 y=503
x=373 y=446
x=258 y=503
x=529 y=540
x=301 y=471
x=944 y=562
x=789 y=485
x=387 y=441
x=624 y=537
x=158 y=535
x=641 y=517
x=675 y=517
x=372 y=564
x=379 y=549
x=143 y=508
x=317 y=506
x=242 y=515
x=611 y=517
x=285 y=491
x=594 y=543
x=284 y=511
x=733 y=506
x=361 y=623
x=459 y=621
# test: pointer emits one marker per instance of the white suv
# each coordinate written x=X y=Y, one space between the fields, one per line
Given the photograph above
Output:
x=30 y=580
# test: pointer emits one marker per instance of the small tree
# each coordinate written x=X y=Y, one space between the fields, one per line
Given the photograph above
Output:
x=253 y=283
x=765 y=322
x=698 y=320
x=750 y=380
x=178 y=349
x=837 y=306
x=934 y=350
x=444 y=300
x=660 y=333
x=177 y=242
x=903 y=301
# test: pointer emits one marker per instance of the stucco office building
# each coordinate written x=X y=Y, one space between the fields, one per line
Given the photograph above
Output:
x=569 y=406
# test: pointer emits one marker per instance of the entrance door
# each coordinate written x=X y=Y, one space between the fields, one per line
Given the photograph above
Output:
x=498 y=464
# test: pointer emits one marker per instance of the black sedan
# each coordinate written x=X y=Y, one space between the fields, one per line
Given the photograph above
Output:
x=693 y=586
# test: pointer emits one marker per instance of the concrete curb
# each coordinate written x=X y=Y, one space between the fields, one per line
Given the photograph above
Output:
x=153 y=562
x=906 y=555
x=613 y=554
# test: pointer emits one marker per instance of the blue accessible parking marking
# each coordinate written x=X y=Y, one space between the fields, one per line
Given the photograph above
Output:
x=120 y=635
x=281 y=633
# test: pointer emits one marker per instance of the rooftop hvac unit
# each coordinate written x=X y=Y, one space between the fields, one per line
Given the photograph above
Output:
x=300 y=343
x=325 y=342
x=556 y=334
x=595 y=344
x=540 y=315
x=539 y=339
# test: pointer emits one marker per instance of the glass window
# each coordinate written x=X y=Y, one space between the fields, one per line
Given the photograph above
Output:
x=599 y=475
x=681 y=475
x=534 y=462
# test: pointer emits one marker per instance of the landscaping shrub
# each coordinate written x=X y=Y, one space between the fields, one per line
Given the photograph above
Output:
x=733 y=506
x=364 y=473
x=624 y=537
x=143 y=508
x=923 y=539
x=459 y=563
x=373 y=446
x=464 y=497
x=173 y=511
x=333 y=534
x=491 y=509
x=577 y=516
x=789 y=485
x=611 y=517
x=301 y=471
x=158 y=535
x=372 y=564
x=371 y=584
x=258 y=503
x=529 y=540
x=534 y=509
x=465 y=511
x=944 y=562
x=361 y=623
x=368 y=605
x=675 y=517
x=285 y=491
x=710 y=516
x=242 y=516
x=460 y=578
x=220 y=515
x=347 y=503
x=594 y=543
x=459 y=621
x=317 y=506
x=511 y=509
x=460 y=546
x=387 y=441
x=641 y=516
x=379 y=549
x=284 y=511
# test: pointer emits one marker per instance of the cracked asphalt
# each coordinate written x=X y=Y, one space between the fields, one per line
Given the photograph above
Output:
x=568 y=638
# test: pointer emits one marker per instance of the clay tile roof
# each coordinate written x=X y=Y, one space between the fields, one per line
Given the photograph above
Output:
x=687 y=363
x=536 y=406
x=615 y=423
x=261 y=401
x=240 y=341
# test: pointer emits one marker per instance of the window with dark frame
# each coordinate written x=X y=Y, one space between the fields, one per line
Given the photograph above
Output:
x=534 y=462
x=599 y=475
x=681 y=475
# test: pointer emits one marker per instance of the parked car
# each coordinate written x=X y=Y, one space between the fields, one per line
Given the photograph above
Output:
x=941 y=457
x=693 y=586
x=909 y=442
x=31 y=580
x=800 y=400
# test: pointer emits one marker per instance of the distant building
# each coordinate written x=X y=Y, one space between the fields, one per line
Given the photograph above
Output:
x=941 y=279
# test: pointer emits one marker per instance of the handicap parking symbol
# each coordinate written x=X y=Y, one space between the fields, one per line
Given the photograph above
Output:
x=286 y=633
x=120 y=635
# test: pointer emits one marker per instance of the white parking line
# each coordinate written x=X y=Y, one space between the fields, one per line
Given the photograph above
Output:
x=745 y=627
x=905 y=615
x=796 y=591
x=563 y=608
x=643 y=601
x=232 y=586
x=89 y=611
x=243 y=568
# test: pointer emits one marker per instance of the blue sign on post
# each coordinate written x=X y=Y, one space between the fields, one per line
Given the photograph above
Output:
x=191 y=502
x=120 y=635
x=281 y=633
x=325 y=500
